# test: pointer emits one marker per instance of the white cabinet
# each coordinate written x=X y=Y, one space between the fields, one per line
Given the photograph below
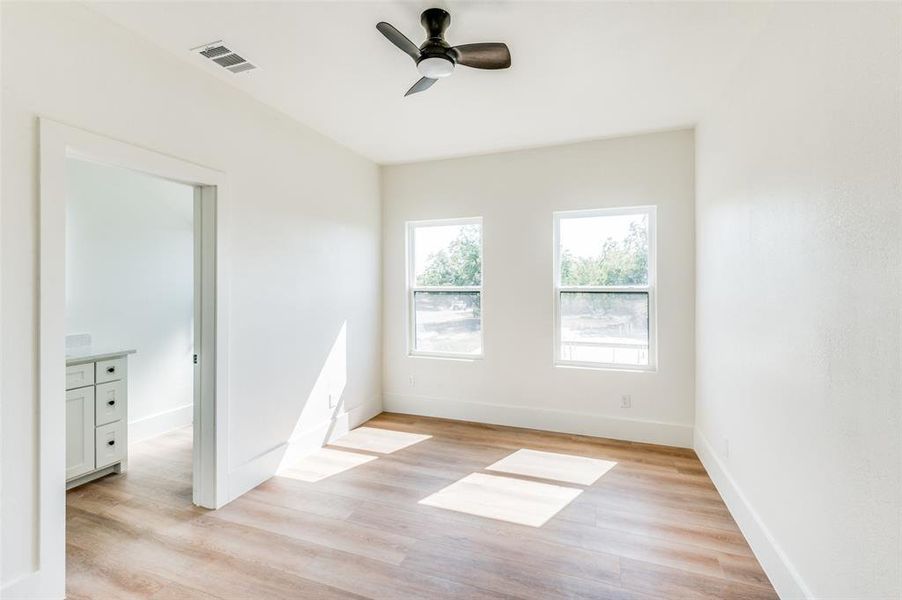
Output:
x=79 y=431
x=96 y=416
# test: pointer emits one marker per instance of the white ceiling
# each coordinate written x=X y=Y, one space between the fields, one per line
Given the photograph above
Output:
x=581 y=70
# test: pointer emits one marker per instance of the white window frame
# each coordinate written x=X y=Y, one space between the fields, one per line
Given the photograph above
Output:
x=413 y=288
x=650 y=288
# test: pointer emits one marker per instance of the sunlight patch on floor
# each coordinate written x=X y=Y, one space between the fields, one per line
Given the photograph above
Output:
x=504 y=498
x=566 y=468
x=323 y=463
x=380 y=441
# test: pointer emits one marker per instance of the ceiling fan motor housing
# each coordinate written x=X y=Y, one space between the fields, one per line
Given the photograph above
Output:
x=437 y=60
x=436 y=21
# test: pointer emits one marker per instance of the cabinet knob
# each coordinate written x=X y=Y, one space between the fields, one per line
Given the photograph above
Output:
x=111 y=402
x=111 y=369
x=111 y=443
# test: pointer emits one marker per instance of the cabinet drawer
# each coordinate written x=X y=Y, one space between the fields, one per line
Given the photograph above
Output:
x=110 y=402
x=79 y=376
x=110 y=370
x=110 y=444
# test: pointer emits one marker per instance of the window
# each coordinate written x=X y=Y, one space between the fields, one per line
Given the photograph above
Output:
x=604 y=280
x=444 y=280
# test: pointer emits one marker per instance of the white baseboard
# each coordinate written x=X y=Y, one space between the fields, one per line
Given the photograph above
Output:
x=20 y=587
x=634 y=430
x=36 y=584
x=259 y=469
x=783 y=575
x=315 y=438
x=158 y=424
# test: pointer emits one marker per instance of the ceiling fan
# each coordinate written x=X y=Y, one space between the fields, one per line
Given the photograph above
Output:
x=436 y=58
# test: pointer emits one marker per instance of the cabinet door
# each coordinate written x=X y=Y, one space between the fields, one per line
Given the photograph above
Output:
x=79 y=432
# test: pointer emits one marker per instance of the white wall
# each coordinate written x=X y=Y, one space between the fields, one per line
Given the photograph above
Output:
x=516 y=194
x=130 y=284
x=798 y=301
x=304 y=248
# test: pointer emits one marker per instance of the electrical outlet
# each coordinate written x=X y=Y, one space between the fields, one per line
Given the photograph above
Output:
x=626 y=401
x=412 y=380
x=726 y=447
x=332 y=401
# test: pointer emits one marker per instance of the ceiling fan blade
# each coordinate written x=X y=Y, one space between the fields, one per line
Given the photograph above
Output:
x=489 y=55
x=399 y=39
x=423 y=84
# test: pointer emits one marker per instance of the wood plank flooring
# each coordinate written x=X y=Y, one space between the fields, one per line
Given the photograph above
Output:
x=652 y=526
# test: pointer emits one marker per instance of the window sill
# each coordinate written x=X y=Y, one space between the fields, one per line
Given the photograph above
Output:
x=604 y=367
x=446 y=356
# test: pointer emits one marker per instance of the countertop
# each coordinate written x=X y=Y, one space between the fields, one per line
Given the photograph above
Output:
x=83 y=354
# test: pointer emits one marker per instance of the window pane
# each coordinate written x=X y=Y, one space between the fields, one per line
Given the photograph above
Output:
x=448 y=322
x=604 y=327
x=604 y=250
x=448 y=255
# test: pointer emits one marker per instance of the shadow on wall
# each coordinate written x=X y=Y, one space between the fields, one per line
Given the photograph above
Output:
x=323 y=406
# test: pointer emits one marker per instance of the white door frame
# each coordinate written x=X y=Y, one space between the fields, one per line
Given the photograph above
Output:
x=57 y=143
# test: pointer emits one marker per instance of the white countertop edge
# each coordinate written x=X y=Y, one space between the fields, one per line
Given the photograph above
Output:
x=89 y=355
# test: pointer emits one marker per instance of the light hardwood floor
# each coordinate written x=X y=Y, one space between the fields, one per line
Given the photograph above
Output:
x=653 y=526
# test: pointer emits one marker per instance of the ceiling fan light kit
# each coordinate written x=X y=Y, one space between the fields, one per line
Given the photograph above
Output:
x=435 y=67
x=436 y=59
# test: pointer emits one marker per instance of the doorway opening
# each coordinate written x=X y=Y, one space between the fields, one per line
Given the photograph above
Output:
x=132 y=316
x=130 y=283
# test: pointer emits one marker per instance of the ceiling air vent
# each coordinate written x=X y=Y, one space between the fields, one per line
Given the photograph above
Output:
x=225 y=57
